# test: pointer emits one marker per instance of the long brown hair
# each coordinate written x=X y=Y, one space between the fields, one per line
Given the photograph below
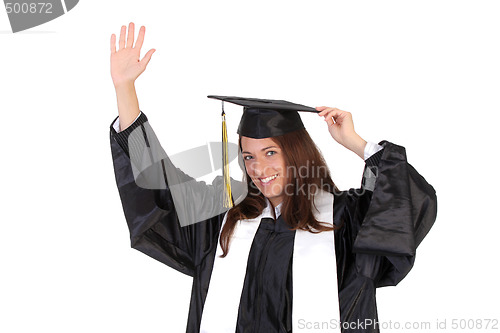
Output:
x=301 y=156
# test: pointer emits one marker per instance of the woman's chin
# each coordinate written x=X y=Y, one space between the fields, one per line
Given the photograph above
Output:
x=275 y=198
x=270 y=192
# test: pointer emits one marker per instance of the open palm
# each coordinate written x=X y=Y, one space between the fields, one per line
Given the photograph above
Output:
x=126 y=64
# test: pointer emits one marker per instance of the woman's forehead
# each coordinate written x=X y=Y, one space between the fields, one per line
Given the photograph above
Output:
x=255 y=145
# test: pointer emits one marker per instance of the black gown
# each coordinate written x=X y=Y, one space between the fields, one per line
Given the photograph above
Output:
x=382 y=223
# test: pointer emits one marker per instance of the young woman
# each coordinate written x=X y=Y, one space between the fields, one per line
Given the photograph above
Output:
x=294 y=253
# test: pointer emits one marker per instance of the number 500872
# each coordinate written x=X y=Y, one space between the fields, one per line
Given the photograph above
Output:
x=28 y=8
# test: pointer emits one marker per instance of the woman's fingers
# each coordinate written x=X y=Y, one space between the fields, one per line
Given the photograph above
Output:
x=126 y=64
x=329 y=113
x=147 y=57
x=140 y=38
x=130 y=35
x=121 y=43
x=331 y=117
x=113 y=43
x=341 y=127
x=325 y=109
x=127 y=39
x=321 y=108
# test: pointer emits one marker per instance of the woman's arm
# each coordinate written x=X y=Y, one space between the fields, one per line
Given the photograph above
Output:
x=126 y=67
x=151 y=214
x=128 y=105
x=171 y=216
x=392 y=211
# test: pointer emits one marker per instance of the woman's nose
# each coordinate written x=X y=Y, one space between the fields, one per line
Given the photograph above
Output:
x=258 y=168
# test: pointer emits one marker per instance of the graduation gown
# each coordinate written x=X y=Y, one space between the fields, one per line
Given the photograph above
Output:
x=381 y=225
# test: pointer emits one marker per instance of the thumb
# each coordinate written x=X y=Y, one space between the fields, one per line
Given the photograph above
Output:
x=147 y=57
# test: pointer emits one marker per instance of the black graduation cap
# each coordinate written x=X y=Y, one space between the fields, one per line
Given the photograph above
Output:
x=262 y=118
x=265 y=118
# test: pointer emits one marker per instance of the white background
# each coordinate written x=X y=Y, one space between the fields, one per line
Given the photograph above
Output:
x=424 y=75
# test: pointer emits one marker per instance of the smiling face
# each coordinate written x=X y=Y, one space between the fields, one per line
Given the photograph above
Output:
x=265 y=164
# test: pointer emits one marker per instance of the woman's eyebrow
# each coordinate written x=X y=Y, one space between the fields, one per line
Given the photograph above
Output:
x=246 y=152
x=268 y=148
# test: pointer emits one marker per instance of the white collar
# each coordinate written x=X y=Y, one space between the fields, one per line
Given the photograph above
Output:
x=322 y=209
x=266 y=212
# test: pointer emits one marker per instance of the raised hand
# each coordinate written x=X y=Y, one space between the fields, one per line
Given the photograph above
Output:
x=341 y=128
x=126 y=64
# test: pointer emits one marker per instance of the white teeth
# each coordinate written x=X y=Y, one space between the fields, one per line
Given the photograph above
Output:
x=268 y=179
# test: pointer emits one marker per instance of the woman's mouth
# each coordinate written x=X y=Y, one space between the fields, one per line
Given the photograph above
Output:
x=267 y=180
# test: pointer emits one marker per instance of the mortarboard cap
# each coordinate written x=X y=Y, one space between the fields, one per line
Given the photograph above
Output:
x=262 y=118
x=265 y=118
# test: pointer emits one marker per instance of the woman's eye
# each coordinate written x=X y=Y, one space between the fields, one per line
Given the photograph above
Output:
x=270 y=153
x=248 y=157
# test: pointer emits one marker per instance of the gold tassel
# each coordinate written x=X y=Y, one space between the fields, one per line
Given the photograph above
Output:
x=228 y=198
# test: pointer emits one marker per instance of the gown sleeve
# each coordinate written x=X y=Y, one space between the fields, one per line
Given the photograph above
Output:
x=146 y=180
x=389 y=216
